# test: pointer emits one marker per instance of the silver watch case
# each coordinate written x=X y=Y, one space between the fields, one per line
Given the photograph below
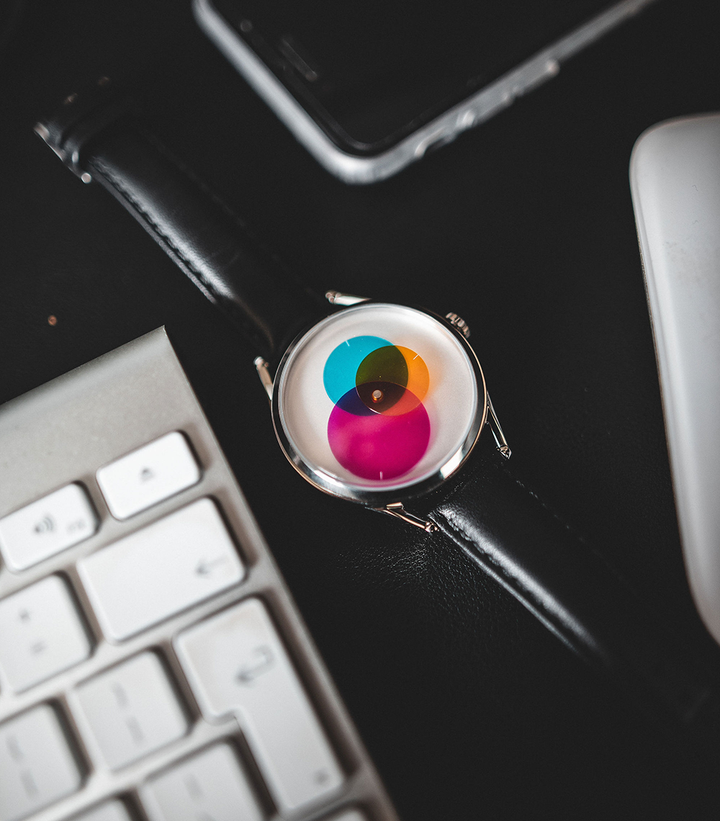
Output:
x=328 y=379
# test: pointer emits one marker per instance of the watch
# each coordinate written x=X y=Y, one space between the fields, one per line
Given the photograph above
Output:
x=382 y=405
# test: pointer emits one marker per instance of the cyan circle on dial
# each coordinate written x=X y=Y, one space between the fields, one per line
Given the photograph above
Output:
x=342 y=364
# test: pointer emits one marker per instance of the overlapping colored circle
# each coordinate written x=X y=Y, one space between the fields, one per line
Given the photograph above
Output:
x=379 y=428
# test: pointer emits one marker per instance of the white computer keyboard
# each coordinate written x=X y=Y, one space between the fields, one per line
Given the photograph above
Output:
x=152 y=663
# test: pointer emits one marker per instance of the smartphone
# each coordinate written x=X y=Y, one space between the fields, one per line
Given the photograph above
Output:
x=369 y=87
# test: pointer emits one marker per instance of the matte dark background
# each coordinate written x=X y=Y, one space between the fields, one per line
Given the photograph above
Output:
x=524 y=227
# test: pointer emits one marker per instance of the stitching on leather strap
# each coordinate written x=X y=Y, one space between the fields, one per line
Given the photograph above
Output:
x=185 y=169
x=566 y=525
x=502 y=468
x=471 y=546
x=106 y=172
x=587 y=545
x=686 y=697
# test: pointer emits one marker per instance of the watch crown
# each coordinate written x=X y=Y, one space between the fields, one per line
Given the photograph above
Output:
x=459 y=323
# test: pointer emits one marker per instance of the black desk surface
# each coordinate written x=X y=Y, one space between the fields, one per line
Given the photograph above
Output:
x=524 y=227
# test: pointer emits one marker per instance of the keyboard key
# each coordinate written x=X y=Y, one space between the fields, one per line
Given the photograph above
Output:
x=112 y=811
x=148 y=475
x=347 y=815
x=174 y=563
x=208 y=786
x=45 y=527
x=131 y=710
x=40 y=634
x=236 y=662
x=36 y=765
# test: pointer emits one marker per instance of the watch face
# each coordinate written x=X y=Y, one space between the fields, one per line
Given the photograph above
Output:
x=378 y=401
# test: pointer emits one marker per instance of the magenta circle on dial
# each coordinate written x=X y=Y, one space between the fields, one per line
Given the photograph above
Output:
x=376 y=445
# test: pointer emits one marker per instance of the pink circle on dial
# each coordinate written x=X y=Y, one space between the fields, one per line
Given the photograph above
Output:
x=376 y=445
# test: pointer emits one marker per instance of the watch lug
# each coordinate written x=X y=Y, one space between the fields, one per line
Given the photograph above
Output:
x=397 y=510
x=263 y=371
x=500 y=441
x=459 y=324
x=338 y=298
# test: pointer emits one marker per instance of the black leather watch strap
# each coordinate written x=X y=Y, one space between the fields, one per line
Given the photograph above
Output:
x=504 y=528
x=96 y=133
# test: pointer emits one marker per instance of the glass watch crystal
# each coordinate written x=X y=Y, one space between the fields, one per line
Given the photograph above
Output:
x=377 y=399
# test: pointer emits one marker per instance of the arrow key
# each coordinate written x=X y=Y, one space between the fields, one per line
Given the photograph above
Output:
x=160 y=570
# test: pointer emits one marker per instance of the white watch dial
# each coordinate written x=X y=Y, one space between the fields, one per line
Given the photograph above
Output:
x=378 y=398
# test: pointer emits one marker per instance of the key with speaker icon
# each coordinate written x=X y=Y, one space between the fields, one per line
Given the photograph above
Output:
x=46 y=527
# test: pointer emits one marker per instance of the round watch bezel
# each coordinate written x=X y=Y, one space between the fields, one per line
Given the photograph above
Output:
x=340 y=488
